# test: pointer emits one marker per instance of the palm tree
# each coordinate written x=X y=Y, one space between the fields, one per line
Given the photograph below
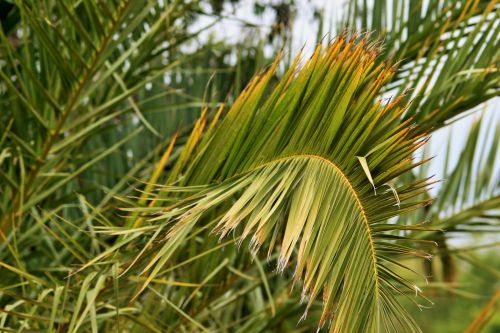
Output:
x=133 y=199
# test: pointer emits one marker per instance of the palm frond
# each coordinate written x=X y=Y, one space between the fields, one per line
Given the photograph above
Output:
x=283 y=167
x=486 y=314
x=467 y=202
x=448 y=52
x=116 y=103
x=71 y=73
x=471 y=192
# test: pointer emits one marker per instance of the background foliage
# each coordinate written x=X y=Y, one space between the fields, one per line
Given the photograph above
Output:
x=100 y=100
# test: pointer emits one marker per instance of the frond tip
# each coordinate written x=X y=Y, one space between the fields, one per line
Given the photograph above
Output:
x=289 y=158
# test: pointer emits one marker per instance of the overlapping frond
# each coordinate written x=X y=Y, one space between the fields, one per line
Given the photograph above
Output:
x=470 y=195
x=69 y=73
x=468 y=201
x=79 y=80
x=306 y=167
x=448 y=50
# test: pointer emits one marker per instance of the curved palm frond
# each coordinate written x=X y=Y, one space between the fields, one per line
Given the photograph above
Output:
x=305 y=167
